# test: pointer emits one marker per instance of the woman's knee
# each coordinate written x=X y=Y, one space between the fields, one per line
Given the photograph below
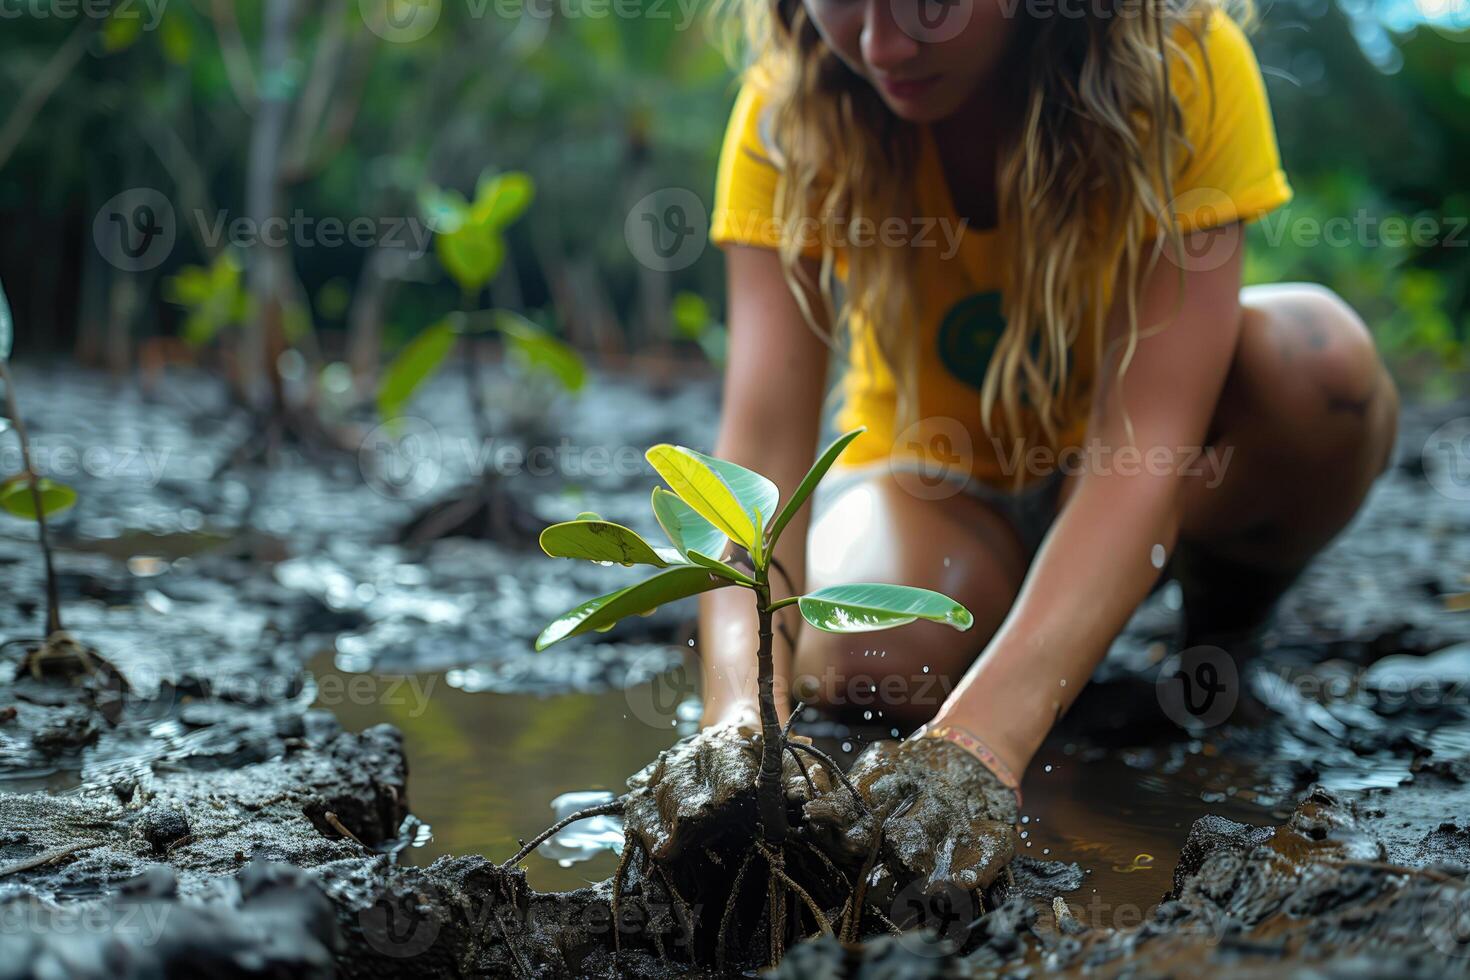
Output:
x=1339 y=400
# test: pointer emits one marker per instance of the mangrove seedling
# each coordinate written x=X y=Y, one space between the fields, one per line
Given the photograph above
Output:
x=33 y=497
x=709 y=504
x=470 y=245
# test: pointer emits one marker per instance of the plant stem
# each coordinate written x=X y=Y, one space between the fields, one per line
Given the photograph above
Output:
x=770 y=797
x=53 y=598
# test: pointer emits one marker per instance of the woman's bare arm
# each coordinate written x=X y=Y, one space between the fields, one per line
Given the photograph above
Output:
x=775 y=377
x=1099 y=559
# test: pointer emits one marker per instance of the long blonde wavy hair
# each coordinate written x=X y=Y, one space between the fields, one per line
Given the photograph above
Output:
x=1085 y=172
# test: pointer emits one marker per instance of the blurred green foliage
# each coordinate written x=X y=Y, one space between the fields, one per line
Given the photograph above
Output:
x=384 y=122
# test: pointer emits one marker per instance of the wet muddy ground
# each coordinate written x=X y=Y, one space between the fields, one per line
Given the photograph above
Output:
x=331 y=737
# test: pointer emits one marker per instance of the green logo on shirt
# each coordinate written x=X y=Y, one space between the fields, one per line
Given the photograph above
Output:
x=968 y=335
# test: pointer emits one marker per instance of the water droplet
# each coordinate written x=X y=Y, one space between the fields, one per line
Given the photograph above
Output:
x=946 y=561
x=1064 y=682
x=893 y=732
x=1025 y=834
x=847 y=746
x=926 y=668
x=691 y=641
x=867 y=716
x=1157 y=556
x=1046 y=768
x=1025 y=819
x=1046 y=850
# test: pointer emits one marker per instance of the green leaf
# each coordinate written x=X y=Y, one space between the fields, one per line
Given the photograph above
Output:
x=413 y=365
x=758 y=495
x=813 y=477
x=502 y=198
x=602 y=541
x=698 y=485
x=686 y=530
x=7 y=327
x=472 y=255
x=604 y=611
x=864 y=608
x=541 y=351
x=720 y=568
x=15 y=497
x=691 y=315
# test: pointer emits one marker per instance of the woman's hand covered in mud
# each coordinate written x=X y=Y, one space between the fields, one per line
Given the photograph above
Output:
x=945 y=818
x=704 y=785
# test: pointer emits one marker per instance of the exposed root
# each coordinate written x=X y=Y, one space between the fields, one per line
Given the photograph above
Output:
x=777 y=861
x=850 y=926
x=677 y=900
x=624 y=859
x=832 y=767
x=730 y=911
x=811 y=787
x=601 y=810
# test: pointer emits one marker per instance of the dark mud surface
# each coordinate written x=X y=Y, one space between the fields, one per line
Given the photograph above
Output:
x=244 y=809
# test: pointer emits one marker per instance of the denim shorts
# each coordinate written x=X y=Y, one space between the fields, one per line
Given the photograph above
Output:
x=1029 y=511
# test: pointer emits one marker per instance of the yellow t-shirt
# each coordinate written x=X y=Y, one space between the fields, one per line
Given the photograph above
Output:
x=1233 y=173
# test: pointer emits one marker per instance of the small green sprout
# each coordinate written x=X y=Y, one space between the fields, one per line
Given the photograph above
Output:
x=708 y=505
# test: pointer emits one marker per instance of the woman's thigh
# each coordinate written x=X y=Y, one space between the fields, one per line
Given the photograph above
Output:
x=876 y=531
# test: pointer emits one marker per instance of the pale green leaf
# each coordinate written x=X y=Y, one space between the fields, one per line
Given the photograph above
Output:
x=604 y=611
x=685 y=529
x=867 y=607
x=541 y=351
x=602 y=541
x=418 y=360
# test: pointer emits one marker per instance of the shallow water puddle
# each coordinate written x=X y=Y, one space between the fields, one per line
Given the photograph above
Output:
x=484 y=770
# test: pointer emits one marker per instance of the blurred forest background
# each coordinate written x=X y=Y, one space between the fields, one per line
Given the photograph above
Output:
x=398 y=113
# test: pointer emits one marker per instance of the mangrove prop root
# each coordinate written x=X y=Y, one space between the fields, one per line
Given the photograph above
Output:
x=776 y=861
x=678 y=902
x=811 y=786
x=831 y=765
x=730 y=911
x=601 y=810
x=619 y=876
x=859 y=896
